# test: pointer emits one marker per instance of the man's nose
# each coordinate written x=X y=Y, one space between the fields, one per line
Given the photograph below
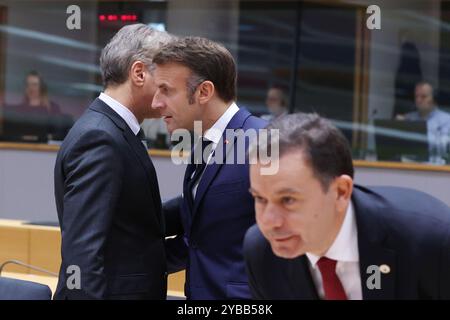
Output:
x=157 y=103
x=271 y=217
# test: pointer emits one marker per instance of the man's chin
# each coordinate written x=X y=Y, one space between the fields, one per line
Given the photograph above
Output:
x=285 y=252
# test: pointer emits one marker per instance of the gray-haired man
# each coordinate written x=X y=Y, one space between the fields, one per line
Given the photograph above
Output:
x=106 y=188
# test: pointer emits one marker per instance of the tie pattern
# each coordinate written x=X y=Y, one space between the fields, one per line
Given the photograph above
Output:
x=331 y=284
x=199 y=164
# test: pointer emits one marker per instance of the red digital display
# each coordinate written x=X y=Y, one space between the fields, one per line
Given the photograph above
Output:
x=117 y=17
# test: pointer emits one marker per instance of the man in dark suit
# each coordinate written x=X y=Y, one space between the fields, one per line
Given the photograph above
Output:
x=196 y=80
x=106 y=187
x=320 y=237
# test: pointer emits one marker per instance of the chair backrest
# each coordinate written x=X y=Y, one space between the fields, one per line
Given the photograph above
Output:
x=14 y=289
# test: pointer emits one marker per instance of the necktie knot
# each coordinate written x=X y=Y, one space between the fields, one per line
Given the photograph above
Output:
x=141 y=134
x=199 y=155
x=332 y=286
x=326 y=265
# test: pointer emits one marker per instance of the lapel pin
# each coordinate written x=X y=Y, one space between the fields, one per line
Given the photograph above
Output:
x=226 y=141
x=384 y=268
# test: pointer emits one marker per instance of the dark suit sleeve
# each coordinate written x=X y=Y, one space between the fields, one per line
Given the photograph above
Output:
x=171 y=212
x=93 y=171
x=176 y=254
x=251 y=251
x=176 y=249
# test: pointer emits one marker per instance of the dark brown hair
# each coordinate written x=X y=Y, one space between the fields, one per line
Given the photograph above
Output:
x=325 y=148
x=206 y=59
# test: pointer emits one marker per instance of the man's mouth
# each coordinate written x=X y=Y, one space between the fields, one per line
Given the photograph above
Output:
x=283 y=238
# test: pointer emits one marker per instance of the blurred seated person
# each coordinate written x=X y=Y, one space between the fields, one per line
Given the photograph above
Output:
x=276 y=102
x=36 y=98
x=427 y=110
x=36 y=118
x=438 y=121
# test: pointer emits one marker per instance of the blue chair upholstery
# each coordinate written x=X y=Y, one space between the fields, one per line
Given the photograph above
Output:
x=14 y=289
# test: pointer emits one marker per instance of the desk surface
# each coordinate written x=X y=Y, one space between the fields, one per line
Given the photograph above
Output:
x=39 y=246
x=54 y=148
x=20 y=224
x=168 y=154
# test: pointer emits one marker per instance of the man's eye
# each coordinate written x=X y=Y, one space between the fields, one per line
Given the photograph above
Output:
x=259 y=199
x=287 y=200
x=163 y=90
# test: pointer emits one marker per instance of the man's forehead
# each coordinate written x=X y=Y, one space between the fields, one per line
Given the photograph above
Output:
x=170 y=72
x=424 y=88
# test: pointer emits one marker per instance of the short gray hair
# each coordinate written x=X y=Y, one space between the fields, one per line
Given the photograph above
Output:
x=136 y=42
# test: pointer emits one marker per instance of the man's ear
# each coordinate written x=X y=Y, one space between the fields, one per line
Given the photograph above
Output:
x=205 y=91
x=138 y=73
x=344 y=190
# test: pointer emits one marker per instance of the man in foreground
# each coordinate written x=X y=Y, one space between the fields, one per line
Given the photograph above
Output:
x=319 y=236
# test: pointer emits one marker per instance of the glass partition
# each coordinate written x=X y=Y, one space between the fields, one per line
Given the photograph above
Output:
x=386 y=89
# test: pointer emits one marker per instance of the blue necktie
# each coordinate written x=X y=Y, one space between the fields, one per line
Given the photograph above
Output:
x=199 y=167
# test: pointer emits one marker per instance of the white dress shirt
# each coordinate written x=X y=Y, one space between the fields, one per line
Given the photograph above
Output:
x=345 y=251
x=122 y=111
x=214 y=134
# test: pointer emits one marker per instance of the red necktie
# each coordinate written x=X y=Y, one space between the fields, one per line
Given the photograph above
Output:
x=331 y=284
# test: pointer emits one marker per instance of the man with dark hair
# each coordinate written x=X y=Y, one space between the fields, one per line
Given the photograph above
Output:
x=196 y=80
x=106 y=189
x=319 y=236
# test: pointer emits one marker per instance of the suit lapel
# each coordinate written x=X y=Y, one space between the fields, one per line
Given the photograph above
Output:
x=373 y=250
x=139 y=151
x=377 y=256
x=300 y=282
x=150 y=172
x=212 y=169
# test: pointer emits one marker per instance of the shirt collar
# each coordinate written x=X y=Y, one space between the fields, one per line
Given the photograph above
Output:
x=431 y=115
x=215 y=133
x=122 y=111
x=345 y=246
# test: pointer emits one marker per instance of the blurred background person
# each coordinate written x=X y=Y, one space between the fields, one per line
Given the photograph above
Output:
x=36 y=118
x=36 y=97
x=276 y=102
x=438 y=121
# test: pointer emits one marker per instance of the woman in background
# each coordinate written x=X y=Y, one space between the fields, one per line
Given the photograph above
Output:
x=36 y=98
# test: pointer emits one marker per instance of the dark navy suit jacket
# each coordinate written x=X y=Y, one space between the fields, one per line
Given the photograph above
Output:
x=405 y=229
x=212 y=232
x=109 y=209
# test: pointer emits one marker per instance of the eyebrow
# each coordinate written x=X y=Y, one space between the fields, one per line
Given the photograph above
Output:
x=163 y=85
x=288 y=190
x=281 y=191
